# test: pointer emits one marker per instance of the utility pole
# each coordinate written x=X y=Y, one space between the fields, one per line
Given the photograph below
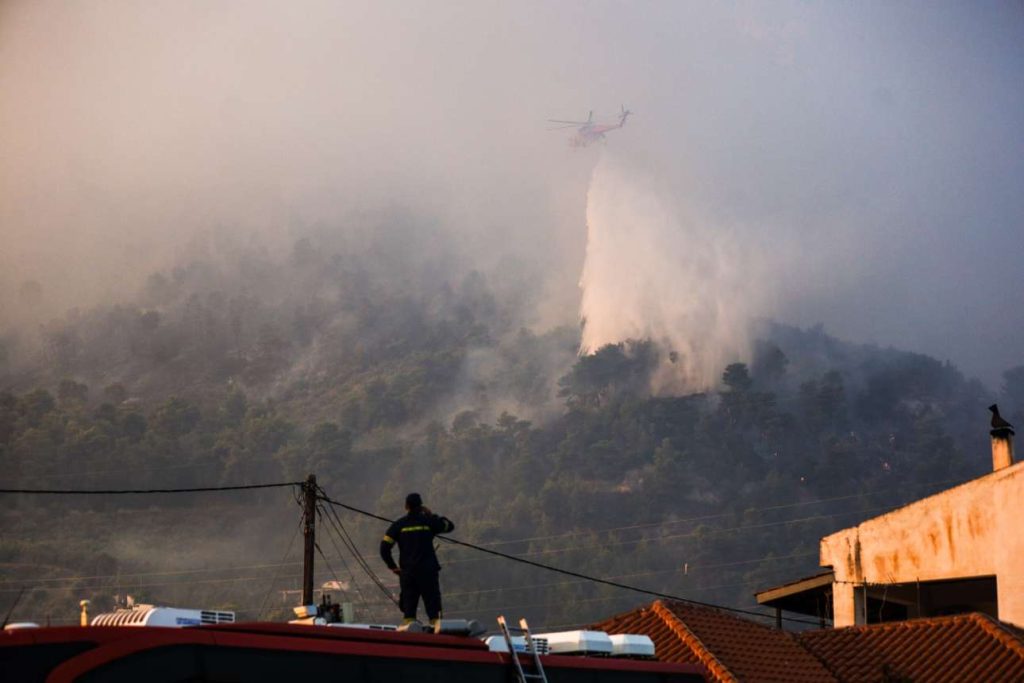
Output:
x=309 y=536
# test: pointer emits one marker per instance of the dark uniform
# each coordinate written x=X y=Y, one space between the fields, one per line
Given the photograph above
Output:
x=418 y=575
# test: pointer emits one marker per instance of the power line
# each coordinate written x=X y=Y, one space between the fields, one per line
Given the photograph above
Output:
x=635 y=574
x=346 y=540
x=702 y=518
x=555 y=584
x=674 y=537
x=569 y=572
x=350 y=544
x=132 y=586
x=133 y=471
x=489 y=551
x=117 y=492
x=341 y=556
x=499 y=608
x=323 y=556
x=178 y=572
x=477 y=609
x=282 y=563
x=701 y=589
x=129 y=579
x=697 y=519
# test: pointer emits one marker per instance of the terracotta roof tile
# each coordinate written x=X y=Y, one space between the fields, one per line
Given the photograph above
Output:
x=732 y=649
x=961 y=648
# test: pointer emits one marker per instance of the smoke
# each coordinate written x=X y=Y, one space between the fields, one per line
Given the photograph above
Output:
x=874 y=149
x=655 y=269
x=163 y=124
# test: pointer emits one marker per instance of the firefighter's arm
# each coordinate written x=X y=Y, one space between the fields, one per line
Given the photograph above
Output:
x=386 y=545
x=441 y=525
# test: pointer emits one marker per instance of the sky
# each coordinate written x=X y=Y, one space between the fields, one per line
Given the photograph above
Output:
x=858 y=165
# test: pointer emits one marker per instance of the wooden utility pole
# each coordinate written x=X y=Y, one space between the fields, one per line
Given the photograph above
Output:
x=309 y=536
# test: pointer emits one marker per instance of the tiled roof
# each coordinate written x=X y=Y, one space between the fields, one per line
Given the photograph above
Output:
x=732 y=649
x=961 y=648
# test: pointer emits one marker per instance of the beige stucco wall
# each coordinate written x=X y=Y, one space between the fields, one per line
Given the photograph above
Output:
x=975 y=529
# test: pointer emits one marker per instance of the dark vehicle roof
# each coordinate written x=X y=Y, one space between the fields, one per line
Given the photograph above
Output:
x=88 y=650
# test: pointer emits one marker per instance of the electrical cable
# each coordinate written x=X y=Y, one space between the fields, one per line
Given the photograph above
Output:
x=323 y=556
x=273 y=580
x=134 y=471
x=341 y=556
x=671 y=537
x=703 y=518
x=463 y=594
x=133 y=586
x=349 y=543
x=675 y=537
x=178 y=572
x=128 y=577
x=569 y=572
x=116 y=492
x=499 y=608
x=351 y=546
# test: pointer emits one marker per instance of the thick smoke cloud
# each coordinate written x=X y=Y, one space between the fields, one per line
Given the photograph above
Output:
x=655 y=271
x=864 y=161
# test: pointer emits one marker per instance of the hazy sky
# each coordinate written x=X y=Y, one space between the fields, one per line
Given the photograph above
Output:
x=868 y=157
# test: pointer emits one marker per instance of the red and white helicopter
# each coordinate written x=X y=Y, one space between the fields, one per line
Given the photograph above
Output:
x=588 y=131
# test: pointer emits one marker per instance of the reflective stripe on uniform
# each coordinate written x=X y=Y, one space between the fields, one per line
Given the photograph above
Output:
x=388 y=539
x=416 y=528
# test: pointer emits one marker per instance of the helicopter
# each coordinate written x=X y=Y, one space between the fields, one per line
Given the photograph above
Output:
x=587 y=131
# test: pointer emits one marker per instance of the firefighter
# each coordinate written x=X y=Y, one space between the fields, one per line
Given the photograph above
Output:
x=417 y=567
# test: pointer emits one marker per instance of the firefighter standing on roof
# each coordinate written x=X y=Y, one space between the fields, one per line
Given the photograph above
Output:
x=417 y=567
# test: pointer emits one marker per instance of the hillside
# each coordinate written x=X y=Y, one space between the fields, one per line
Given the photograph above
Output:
x=386 y=367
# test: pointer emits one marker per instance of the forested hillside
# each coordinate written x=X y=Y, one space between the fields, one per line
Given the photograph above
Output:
x=390 y=367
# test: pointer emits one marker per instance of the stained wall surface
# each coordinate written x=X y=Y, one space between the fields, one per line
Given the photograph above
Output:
x=972 y=530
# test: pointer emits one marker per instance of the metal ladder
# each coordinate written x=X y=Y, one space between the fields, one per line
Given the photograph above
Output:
x=531 y=648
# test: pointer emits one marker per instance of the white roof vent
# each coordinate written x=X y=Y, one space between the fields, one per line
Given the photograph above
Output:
x=150 y=615
x=578 y=642
x=367 y=627
x=632 y=646
x=497 y=644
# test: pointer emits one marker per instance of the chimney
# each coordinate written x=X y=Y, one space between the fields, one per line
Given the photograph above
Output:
x=1002 y=440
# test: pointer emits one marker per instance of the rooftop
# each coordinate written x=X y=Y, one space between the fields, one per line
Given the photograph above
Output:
x=964 y=648
x=731 y=648
x=961 y=648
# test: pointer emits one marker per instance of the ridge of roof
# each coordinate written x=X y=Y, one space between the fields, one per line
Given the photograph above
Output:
x=929 y=648
x=704 y=654
x=749 y=651
x=1004 y=633
x=991 y=625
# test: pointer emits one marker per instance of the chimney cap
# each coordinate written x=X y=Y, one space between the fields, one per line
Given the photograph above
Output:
x=1000 y=427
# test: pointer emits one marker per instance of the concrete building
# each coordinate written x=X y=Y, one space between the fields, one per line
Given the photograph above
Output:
x=958 y=551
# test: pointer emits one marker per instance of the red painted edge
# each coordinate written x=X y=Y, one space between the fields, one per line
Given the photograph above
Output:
x=114 y=642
